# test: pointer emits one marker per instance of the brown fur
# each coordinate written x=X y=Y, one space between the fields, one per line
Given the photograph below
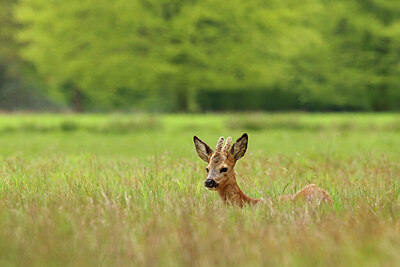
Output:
x=224 y=159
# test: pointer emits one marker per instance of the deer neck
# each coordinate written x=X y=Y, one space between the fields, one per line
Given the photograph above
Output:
x=232 y=194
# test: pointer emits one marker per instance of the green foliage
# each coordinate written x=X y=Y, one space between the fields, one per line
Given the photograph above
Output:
x=18 y=91
x=358 y=66
x=163 y=55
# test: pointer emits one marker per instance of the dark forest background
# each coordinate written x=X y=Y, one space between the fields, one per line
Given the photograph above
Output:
x=179 y=56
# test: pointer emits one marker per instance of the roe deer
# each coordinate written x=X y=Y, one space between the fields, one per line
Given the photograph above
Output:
x=221 y=175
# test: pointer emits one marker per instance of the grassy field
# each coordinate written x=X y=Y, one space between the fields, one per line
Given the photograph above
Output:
x=128 y=190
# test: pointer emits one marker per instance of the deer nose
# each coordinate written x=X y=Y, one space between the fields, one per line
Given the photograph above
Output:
x=210 y=183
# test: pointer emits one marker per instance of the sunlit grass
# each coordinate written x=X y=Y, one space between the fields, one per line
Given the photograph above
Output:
x=79 y=194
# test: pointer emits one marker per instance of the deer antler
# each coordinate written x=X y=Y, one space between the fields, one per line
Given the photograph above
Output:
x=219 y=144
x=227 y=144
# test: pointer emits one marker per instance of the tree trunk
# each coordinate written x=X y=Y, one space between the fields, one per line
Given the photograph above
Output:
x=77 y=100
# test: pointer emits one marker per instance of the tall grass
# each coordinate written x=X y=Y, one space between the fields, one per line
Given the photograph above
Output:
x=135 y=196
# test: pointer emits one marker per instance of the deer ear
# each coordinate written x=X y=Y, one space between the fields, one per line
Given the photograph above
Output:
x=239 y=147
x=203 y=150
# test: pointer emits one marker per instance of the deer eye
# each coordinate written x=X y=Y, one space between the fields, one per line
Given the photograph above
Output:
x=224 y=170
x=207 y=170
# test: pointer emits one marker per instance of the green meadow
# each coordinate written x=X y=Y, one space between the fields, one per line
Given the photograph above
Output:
x=127 y=190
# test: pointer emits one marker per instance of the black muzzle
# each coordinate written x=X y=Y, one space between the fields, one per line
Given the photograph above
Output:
x=210 y=183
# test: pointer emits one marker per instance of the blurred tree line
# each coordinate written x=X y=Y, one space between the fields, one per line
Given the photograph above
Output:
x=190 y=55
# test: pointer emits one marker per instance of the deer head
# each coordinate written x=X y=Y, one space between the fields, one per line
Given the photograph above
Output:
x=221 y=162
